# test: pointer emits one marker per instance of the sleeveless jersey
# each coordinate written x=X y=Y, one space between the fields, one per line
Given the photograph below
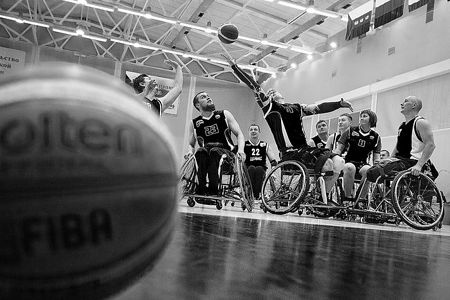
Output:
x=285 y=122
x=360 y=143
x=255 y=155
x=155 y=105
x=318 y=142
x=409 y=145
x=213 y=130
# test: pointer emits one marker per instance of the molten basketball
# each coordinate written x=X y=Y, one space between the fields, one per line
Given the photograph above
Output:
x=88 y=184
x=228 y=33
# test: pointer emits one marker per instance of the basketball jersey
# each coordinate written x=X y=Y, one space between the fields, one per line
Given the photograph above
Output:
x=409 y=145
x=213 y=130
x=361 y=144
x=255 y=155
x=155 y=105
x=285 y=122
x=318 y=142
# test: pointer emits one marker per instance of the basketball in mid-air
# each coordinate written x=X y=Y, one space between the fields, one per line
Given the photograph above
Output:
x=228 y=33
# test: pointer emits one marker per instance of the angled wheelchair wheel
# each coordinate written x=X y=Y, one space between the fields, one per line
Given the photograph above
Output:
x=245 y=185
x=188 y=177
x=417 y=200
x=284 y=187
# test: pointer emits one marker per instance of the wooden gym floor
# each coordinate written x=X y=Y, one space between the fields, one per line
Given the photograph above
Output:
x=230 y=254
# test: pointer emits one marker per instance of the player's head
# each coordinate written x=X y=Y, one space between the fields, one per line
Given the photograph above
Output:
x=384 y=154
x=254 y=131
x=411 y=104
x=275 y=96
x=140 y=82
x=202 y=102
x=344 y=121
x=368 y=117
x=322 y=127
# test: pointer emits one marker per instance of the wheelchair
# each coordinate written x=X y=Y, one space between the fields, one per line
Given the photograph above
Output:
x=415 y=200
x=234 y=185
x=290 y=187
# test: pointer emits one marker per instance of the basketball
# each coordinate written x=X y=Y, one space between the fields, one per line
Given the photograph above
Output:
x=228 y=33
x=88 y=184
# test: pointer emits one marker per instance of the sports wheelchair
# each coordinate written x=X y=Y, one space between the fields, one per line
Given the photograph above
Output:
x=234 y=184
x=415 y=200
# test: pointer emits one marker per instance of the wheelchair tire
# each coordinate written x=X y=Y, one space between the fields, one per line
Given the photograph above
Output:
x=188 y=177
x=245 y=185
x=417 y=200
x=277 y=186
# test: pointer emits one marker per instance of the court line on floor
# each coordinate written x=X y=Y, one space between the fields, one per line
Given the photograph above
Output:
x=294 y=218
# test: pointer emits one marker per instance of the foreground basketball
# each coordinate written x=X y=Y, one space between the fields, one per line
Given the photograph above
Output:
x=228 y=33
x=87 y=185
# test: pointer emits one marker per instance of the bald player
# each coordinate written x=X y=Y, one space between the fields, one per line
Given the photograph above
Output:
x=415 y=144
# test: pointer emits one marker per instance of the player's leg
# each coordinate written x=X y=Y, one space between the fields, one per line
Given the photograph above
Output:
x=202 y=157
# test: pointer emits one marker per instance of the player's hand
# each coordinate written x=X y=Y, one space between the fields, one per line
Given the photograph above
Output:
x=171 y=63
x=241 y=155
x=346 y=104
x=229 y=59
x=188 y=155
x=415 y=170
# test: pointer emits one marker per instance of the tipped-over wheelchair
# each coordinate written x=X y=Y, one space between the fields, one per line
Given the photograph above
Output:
x=234 y=184
x=415 y=200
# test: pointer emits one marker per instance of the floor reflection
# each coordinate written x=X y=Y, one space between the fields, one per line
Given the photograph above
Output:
x=218 y=257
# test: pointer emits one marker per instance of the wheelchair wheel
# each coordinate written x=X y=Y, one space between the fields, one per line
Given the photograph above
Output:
x=284 y=187
x=245 y=185
x=417 y=200
x=188 y=177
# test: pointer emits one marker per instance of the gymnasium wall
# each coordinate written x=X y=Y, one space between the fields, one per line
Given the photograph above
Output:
x=416 y=43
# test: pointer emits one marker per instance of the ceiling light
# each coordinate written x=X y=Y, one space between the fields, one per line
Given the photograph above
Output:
x=292 y=5
x=274 y=75
x=293 y=65
x=333 y=45
x=162 y=19
x=79 y=31
x=310 y=57
x=64 y=31
x=94 y=37
x=249 y=39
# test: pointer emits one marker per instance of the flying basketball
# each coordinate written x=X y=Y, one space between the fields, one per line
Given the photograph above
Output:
x=88 y=185
x=228 y=33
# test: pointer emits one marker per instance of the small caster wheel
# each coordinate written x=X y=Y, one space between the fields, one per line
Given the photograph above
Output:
x=300 y=212
x=190 y=202
x=243 y=207
x=232 y=203
x=219 y=205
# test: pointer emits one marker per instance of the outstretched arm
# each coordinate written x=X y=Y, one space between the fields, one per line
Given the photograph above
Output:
x=326 y=107
x=172 y=95
x=261 y=97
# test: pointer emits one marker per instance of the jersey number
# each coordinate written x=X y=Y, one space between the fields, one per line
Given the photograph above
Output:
x=211 y=130
x=255 y=152
x=361 y=143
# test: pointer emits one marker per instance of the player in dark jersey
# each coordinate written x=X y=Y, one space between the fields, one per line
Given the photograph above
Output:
x=362 y=141
x=320 y=140
x=256 y=154
x=285 y=122
x=211 y=130
x=415 y=145
x=147 y=89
